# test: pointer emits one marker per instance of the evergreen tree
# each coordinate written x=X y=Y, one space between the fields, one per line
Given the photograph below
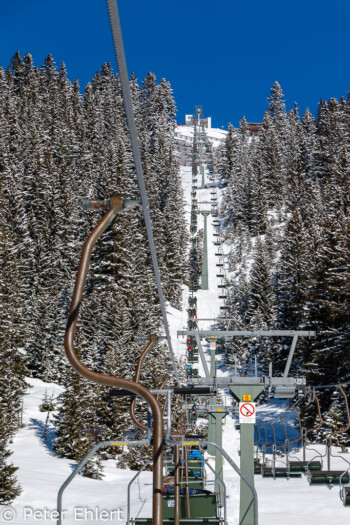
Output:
x=277 y=109
x=55 y=147
x=9 y=487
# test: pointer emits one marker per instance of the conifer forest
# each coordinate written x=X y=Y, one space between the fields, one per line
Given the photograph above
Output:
x=56 y=147
x=285 y=215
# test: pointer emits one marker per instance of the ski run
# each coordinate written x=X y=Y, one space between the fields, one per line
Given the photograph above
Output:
x=41 y=472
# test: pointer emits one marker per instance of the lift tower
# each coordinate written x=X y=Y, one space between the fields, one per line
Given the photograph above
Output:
x=205 y=276
x=248 y=389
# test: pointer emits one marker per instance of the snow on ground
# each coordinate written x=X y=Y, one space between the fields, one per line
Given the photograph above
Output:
x=41 y=472
x=281 y=500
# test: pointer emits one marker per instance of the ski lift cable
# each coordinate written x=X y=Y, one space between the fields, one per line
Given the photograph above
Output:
x=129 y=111
x=333 y=385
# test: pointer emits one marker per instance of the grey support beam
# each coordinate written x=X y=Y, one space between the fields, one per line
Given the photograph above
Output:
x=247 y=333
x=290 y=356
x=201 y=353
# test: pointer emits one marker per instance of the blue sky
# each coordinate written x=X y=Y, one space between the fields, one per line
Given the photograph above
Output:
x=224 y=55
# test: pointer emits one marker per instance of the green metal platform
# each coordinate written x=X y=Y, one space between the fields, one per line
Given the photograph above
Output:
x=329 y=477
x=303 y=466
x=201 y=506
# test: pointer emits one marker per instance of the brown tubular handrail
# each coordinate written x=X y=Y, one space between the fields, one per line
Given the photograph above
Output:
x=319 y=416
x=142 y=426
x=300 y=432
x=264 y=427
x=164 y=382
x=177 y=485
x=139 y=424
x=315 y=398
x=116 y=206
x=187 y=490
x=153 y=340
x=285 y=433
x=347 y=413
x=273 y=431
x=258 y=427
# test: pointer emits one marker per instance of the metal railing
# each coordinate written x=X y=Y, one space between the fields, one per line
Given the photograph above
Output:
x=83 y=462
x=205 y=443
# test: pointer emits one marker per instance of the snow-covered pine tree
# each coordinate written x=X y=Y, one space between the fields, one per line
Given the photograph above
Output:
x=262 y=306
x=328 y=306
x=77 y=423
x=277 y=110
x=335 y=420
x=308 y=145
x=9 y=487
x=226 y=162
x=270 y=163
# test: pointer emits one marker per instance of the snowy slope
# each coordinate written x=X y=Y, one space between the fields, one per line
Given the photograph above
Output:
x=41 y=472
x=280 y=501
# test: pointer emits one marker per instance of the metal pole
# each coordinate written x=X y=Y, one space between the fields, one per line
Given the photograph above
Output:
x=117 y=36
x=304 y=442
x=177 y=485
x=153 y=340
x=290 y=356
x=204 y=281
x=201 y=161
x=129 y=489
x=116 y=205
x=255 y=520
x=201 y=353
x=83 y=462
x=212 y=401
x=329 y=446
x=274 y=450
x=220 y=480
x=246 y=513
x=187 y=491
x=219 y=416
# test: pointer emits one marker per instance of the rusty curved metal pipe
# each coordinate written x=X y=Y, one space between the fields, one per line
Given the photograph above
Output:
x=177 y=485
x=153 y=340
x=116 y=205
x=319 y=415
x=285 y=434
x=165 y=380
x=347 y=413
x=300 y=431
x=264 y=427
x=139 y=424
x=273 y=431
x=258 y=427
x=187 y=490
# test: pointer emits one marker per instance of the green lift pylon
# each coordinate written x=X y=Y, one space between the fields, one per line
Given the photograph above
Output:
x=243 y=393
x=205 y=276
x=212 y=403
x=248 y=389
x=201 y=160
x=216 y=416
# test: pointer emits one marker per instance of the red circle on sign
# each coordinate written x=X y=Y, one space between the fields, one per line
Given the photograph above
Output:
x=249 y=408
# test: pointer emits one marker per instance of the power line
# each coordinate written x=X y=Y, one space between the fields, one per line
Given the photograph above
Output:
x=124 y=80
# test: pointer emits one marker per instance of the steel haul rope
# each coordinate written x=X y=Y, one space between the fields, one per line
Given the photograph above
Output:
x=124 y=80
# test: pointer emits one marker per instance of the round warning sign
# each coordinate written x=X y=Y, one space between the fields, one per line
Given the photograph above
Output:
x=247 y=412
